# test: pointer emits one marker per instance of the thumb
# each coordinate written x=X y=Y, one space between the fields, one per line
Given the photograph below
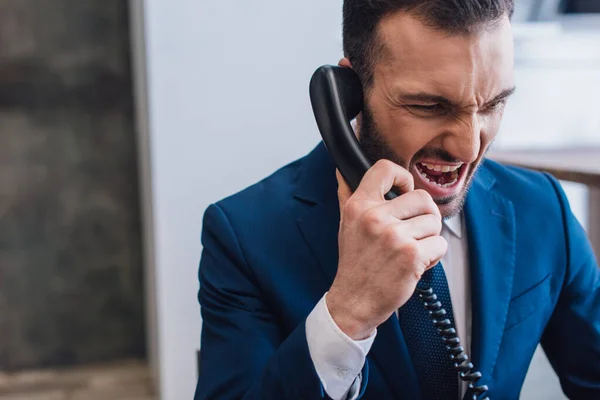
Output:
x=344 y=191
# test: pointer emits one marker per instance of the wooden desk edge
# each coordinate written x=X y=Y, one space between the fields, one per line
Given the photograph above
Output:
x=586 y=178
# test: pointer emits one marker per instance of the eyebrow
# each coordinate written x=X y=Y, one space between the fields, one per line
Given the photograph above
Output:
x=424 y=97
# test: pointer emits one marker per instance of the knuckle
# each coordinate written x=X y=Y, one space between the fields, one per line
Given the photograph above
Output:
x=436 y=223
x=393 y=238
x=410 y=251
x=443 y=244
x=422 y=195
x=428 y=202
x=388 y=167
x=351 y=209
x=438 y=249
x=396 y=169
x=372 y=220
x=433 y=209
x=431 y=225
x=384 y=163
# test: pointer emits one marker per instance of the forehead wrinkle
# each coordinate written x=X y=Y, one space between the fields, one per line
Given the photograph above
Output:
x=415 y=71
x=420 y=81
x=420 y=59
x=465 y=84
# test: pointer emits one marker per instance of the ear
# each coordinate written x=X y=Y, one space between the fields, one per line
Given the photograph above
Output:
x=344 y=62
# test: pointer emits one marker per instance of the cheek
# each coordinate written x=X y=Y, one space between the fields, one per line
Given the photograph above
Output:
x=490 y=128
x=406 y=133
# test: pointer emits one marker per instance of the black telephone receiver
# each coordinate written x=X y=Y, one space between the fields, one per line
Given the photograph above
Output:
x=336 y=95
x=337 y=98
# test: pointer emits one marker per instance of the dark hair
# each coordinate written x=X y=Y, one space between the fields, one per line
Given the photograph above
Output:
x=361 y=18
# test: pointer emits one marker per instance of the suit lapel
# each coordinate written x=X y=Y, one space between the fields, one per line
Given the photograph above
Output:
x=390 y=352
x=319 y=224
x=319 y=228
x=490 y=224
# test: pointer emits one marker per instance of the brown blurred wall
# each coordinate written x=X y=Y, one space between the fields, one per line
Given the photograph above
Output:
x=70 y=250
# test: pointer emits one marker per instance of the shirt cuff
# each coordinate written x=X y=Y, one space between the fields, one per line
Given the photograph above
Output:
x=337 y=358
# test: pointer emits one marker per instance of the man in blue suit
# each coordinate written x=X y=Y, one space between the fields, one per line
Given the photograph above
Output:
x=307 y=289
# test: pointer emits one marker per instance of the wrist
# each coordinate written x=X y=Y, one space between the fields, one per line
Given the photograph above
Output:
x=347 y=321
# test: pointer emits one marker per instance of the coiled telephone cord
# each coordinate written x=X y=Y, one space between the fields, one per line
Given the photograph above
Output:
x=459 y=358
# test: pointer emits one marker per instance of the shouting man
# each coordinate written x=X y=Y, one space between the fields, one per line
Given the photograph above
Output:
x=307 y=289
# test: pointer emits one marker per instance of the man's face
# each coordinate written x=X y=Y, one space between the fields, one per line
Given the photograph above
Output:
x=436 y=103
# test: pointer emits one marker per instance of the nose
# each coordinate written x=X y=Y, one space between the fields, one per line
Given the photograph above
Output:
x=463 y=139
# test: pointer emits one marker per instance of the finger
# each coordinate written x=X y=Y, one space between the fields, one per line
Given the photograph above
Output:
x=423 y=226
x=432 y=249
x=381 y=178
x=344 y=191
x=410 y=205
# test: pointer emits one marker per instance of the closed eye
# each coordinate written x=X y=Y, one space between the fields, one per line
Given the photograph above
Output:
x=495 y=106
x=422 y=107
x=428 y=109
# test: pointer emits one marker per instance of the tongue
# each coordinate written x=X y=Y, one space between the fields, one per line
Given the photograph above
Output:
x=443 y=179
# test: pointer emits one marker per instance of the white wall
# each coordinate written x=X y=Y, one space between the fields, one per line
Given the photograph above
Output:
x=557 y=72
x=227 y=87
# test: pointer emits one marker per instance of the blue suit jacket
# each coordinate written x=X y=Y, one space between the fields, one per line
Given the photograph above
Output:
x=270 y=253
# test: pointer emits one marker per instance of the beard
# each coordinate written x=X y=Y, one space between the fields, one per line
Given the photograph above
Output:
x=376 y=148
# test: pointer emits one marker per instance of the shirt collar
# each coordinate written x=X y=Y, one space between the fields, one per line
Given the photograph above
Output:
x=454 y=225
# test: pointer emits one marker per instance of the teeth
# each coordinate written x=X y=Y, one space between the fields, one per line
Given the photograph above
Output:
x=454 y=177
x=442 y=168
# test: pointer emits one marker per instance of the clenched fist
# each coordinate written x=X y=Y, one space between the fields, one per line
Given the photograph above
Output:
x=385 y=246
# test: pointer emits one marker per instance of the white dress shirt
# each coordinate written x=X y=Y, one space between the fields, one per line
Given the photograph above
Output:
x=339 y=360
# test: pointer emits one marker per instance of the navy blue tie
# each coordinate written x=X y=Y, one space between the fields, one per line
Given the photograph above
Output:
x=437 y=378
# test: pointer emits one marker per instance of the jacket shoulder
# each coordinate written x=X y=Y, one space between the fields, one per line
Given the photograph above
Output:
x=524 y=186
x=265 y=198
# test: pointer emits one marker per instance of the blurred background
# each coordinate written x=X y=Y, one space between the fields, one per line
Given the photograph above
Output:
x=121 y=121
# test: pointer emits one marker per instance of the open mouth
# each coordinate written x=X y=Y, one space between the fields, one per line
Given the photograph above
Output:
x=441 y=180
x=440 y=175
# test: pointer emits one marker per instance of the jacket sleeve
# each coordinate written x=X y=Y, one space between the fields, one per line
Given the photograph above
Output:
x=572 y=338
x=244 y=353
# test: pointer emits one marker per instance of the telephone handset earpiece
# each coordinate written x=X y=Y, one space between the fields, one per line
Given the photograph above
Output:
x=337 y=98
x=336 y=95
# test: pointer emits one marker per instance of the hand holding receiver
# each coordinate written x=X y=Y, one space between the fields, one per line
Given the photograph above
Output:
x=384 y=248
